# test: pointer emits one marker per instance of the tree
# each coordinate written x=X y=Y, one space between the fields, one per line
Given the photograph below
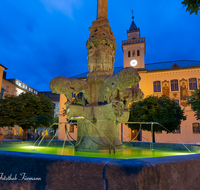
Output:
x=55 y=127
x=194 y=101
x=156 y=109
x=27 y=111
x=193 y=6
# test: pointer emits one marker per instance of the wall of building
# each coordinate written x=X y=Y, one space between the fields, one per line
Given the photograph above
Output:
x=1 y=76
x=186 y=134
x=63 y=119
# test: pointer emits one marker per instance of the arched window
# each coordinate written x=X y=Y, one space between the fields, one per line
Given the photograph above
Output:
x=192 y=83
x=195 y=128
x=138 y=52
x=156 y=86
x=133 y=53
x=174 y=85
x=129 y=54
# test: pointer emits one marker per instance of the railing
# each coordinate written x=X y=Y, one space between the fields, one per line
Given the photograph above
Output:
x=133 y=41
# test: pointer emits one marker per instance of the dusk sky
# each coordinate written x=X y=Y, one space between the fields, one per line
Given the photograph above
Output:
x=42 y=39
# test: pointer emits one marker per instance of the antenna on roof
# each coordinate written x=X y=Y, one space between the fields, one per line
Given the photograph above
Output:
x=132 y=15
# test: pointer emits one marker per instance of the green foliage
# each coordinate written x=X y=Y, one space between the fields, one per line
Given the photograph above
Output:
x=162 y=110
x=26 y=110
x=193 y=6
x=194 y=100
x=55 y=127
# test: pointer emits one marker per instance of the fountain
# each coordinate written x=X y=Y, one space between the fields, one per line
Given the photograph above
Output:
x=103 y=98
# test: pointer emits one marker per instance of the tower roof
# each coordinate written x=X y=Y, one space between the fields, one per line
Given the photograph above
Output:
x=133 y=26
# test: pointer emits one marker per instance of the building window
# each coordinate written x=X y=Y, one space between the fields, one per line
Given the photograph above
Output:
x=174 y=85
x=138 y=52
x=71 y=128
x=129 y=54
x=178 y=130
x=133 y=53
x=7 y=88
x=177 y=101
x=193 y=84
x=156 y=86
x=195 y=128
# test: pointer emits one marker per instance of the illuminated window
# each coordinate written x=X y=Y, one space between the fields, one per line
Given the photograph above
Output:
x=129 y=54
x=192 y=83
x=133 y=53
x=178 y=130
x=138 y=52
x=156 y=86
x=177 y=101
x=174 y=85
x=71 y=128
x=195 y=128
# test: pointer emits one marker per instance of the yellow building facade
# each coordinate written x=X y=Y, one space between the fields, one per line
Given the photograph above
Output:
x=175 y=79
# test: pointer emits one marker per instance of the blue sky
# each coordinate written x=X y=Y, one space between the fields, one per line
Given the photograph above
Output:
x=42 y=39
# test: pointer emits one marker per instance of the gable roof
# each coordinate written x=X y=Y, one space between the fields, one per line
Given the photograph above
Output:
x=154 y=67
x=170 y=65
x=3 y=66
x=84 y=75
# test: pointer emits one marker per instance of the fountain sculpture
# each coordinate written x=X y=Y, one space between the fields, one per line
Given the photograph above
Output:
x=103 y=98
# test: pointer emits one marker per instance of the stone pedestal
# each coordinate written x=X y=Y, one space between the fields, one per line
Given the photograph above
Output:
x=97 y=130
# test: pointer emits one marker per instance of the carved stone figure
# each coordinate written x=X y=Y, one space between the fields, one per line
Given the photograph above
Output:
x=112 y=86
x=131 y=95
x=92 y=57
x=68 y=86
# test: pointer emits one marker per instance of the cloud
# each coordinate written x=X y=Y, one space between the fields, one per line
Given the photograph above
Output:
x=64 y=6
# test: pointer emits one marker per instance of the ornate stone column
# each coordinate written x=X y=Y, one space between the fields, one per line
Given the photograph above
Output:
x=102 y=9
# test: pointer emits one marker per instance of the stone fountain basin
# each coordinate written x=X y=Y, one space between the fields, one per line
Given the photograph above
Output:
x=69 y=172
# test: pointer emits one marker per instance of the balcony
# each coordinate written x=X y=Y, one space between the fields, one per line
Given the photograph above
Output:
x=133 y=41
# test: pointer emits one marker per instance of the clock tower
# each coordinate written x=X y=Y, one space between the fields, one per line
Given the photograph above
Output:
x=134 y=48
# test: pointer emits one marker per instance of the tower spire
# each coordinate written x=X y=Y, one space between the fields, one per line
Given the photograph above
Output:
x=132 y=15
x=102 y=9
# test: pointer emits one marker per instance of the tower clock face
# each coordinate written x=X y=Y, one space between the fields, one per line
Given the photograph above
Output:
x=133 y=63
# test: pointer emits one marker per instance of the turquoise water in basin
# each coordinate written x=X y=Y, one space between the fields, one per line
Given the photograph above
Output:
x=128 y=151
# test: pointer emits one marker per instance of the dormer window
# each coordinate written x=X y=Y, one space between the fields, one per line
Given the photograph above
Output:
x=175 y=66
